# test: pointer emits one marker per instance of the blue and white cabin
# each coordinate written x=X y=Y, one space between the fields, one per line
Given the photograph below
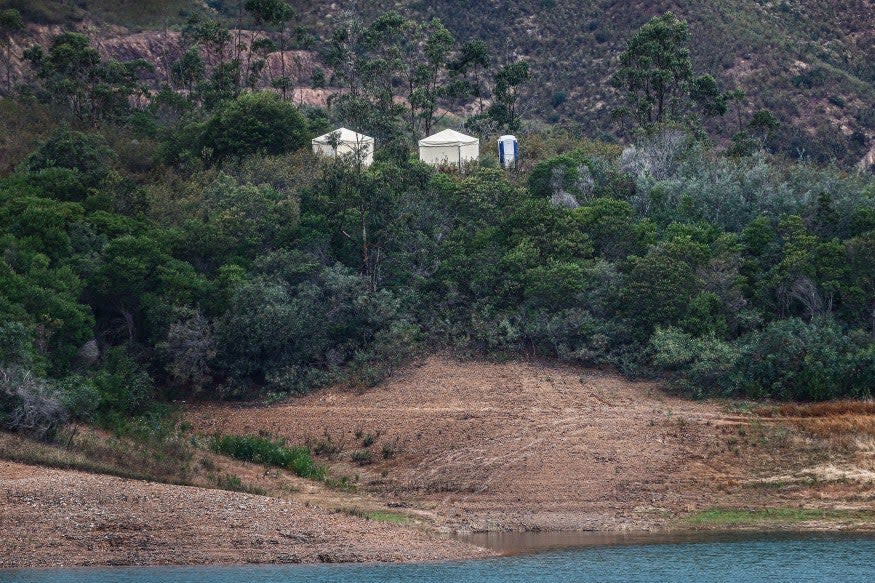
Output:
x=508 y=151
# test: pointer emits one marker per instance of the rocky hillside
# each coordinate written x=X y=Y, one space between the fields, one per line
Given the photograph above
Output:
x=808 y=62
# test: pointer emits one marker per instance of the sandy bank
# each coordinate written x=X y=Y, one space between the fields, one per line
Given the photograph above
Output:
x=448 y=445
x=53 y=518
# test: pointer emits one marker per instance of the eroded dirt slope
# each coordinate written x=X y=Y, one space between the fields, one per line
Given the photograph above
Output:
x=534 y=446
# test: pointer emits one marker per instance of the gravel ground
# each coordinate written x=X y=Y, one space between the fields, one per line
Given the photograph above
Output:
x=54 y=518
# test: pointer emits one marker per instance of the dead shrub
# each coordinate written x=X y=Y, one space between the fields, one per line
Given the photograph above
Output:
x=29 y=404
x=829 y=419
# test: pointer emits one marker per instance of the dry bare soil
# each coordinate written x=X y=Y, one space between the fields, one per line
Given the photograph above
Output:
x=447 y=445
x=527 y=445
x=57 y=518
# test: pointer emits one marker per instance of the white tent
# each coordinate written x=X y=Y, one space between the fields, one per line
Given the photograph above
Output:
x=448 y=147
x=347 y=144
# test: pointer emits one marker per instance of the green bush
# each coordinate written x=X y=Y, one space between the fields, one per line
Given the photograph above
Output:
x=657 y=290
x=124 y=388
x=362 y=457
x=707 y=364
x=16 y=345
x=255 y=123
x=80 y=397
x=87 y=154
x=269 y=452
x=562 y=170
x=804 y=361
x=788 y=359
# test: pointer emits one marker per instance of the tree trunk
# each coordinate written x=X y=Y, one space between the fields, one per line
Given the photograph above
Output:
x=366 y=267
x=8 y=57
x=283 y=59
x=660 y=108
x=477 y=80
x=410 y=89
x=237 y=46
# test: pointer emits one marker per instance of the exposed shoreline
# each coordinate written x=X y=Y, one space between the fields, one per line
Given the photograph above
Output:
x=59 y=518
x=475 y=448
x=481 y=446
x=54 y=519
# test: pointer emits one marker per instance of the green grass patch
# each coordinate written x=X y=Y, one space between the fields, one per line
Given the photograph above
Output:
x=379 y=515
x=734 y=517
x=269 y=452
x=342 y=484
x=385 y=516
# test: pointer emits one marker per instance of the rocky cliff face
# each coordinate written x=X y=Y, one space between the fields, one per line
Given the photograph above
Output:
x=162 y=48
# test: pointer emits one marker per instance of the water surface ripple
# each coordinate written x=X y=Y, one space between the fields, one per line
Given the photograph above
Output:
x=749 y=558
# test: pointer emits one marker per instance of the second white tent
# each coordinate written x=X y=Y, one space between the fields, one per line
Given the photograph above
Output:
x=344 y=143
x=449 y=147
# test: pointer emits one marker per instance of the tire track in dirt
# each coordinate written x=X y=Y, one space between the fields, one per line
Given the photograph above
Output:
x=528 y=445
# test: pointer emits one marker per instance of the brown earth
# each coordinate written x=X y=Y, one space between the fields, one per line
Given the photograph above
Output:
x=57 y=518
x=444 y=446
x=535 y=446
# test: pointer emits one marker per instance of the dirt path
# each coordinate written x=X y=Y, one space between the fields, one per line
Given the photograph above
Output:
x=529 y=446
x=54 y=518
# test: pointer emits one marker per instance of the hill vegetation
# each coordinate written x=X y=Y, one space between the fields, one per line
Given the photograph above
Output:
x=184 y=242
x=808 y=63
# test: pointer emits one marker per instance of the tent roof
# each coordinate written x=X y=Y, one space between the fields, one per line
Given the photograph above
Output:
x=448 y=138
x=345 y=136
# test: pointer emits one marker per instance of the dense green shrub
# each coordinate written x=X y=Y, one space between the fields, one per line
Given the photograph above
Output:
x=788 y=359
x=16 y=345
x=559 y=172
x=263 y=450
x=255 y=123
x=123 y=387
x=86 y=154
x=707 y=364
x=657 y=289
x=808 y=361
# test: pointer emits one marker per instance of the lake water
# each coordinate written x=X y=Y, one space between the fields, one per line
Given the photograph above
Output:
x=556 y=558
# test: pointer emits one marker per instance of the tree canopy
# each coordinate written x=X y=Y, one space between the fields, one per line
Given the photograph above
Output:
x=193 y=243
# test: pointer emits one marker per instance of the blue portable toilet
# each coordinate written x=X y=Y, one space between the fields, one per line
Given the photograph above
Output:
x=508 y=151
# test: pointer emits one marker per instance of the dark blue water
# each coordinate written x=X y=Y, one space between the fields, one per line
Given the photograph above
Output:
x=845 y=560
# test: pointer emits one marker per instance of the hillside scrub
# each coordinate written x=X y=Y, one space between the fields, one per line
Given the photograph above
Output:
x=262 y=450
x=338 y=274
x=181 y=248
x=815 y=78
